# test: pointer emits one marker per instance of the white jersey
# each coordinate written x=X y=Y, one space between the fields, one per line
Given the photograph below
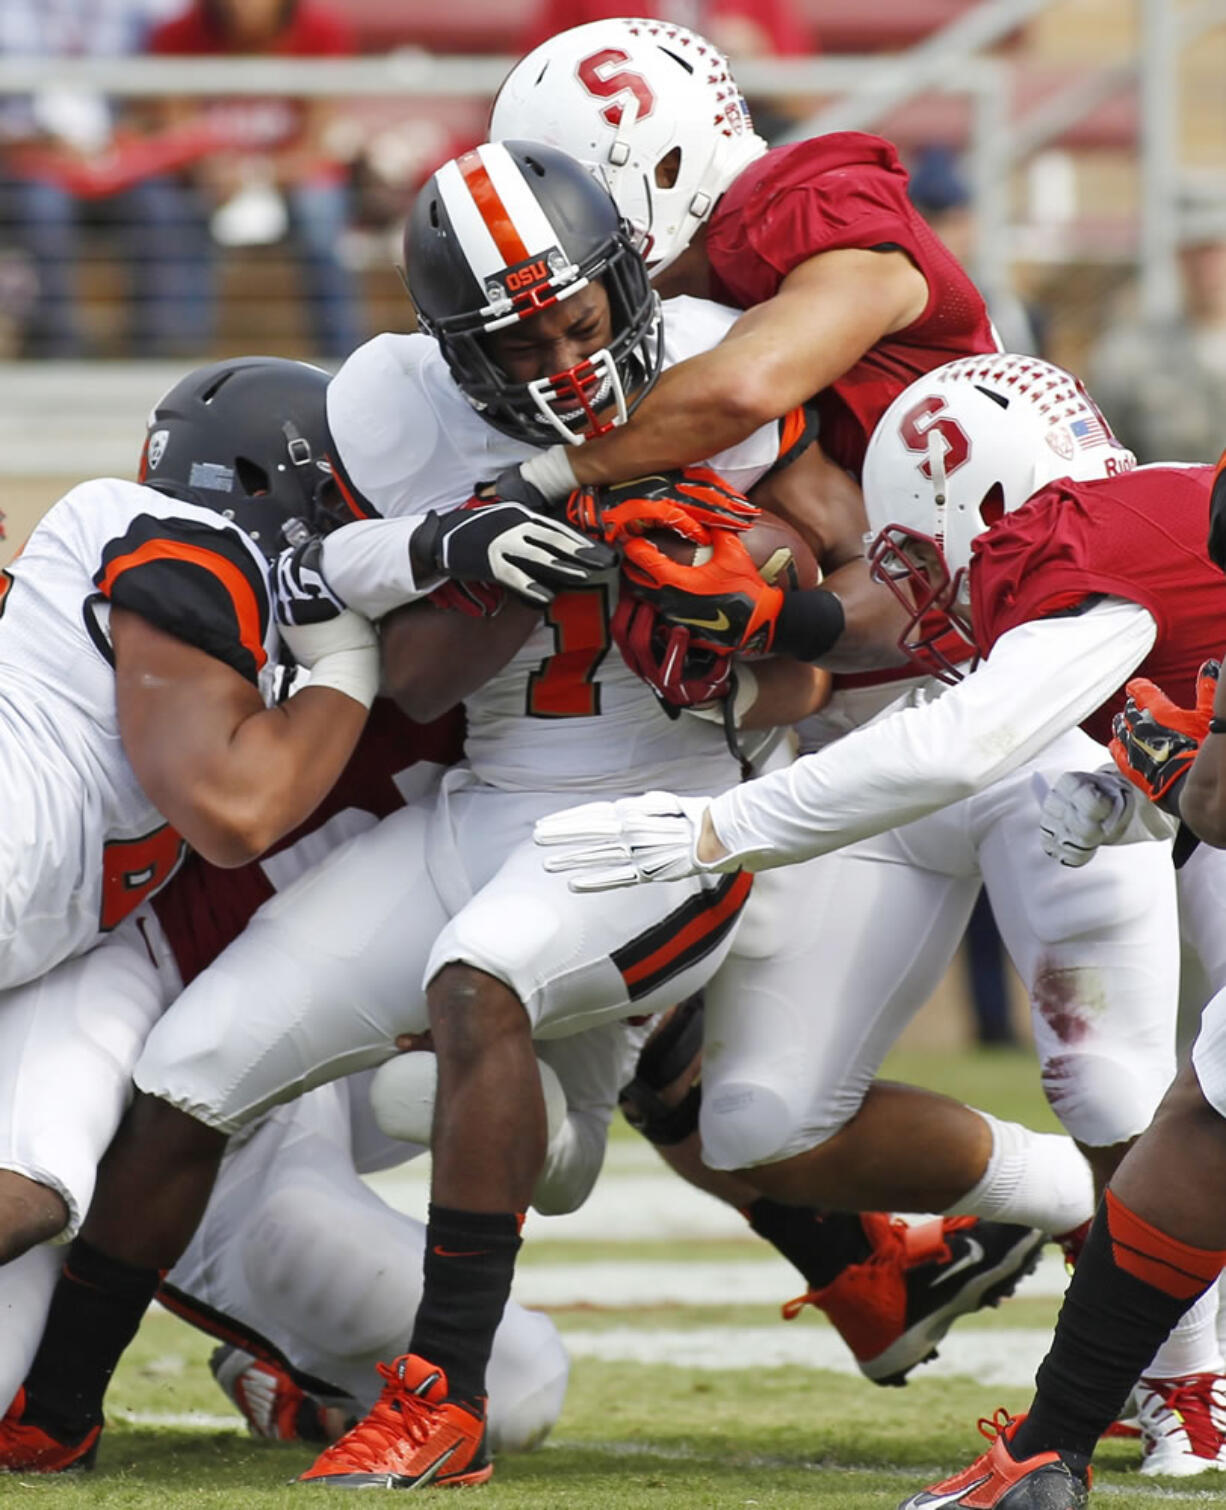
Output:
x=83 y=845
x=410 y=441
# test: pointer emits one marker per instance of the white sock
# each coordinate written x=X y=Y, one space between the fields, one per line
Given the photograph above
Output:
x=1192 y=1348
x=1034 y=1179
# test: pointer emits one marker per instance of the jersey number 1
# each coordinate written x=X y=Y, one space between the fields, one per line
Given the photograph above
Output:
x=564 y=686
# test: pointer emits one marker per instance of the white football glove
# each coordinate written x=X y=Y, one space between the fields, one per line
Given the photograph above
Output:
x=628 y=842
x=1084 y=810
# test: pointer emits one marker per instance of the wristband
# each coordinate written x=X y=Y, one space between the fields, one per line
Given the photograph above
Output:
x=551 y=473
x=743 y=699
x=1217 y=726
x=353 y=672
x=808 y=624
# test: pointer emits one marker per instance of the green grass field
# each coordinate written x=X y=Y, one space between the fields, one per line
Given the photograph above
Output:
x=635 y=1434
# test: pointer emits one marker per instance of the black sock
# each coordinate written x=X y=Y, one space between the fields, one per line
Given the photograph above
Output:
x=96 y=1309
x=470 y=1262
x=1131 y=1285
x=820 y=1246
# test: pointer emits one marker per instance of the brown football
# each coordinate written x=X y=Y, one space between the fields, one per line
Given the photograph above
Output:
x=783 y=559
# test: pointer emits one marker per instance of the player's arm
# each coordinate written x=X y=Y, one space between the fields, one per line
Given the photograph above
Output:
x=433 y=658
x=784 y=692
x=1041 y=679
x=826 y=507
x=231 y=775
x=828 y=312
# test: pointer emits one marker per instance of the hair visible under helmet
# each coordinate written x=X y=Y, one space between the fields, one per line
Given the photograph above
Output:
x=652 y=108
x=964 y=444
x=247 y=438
x=503 y=233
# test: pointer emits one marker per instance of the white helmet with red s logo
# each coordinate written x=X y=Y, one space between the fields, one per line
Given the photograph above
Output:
x=961 y=446
x=651 y=107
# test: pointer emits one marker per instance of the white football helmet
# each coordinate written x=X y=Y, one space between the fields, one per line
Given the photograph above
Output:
x=623 y=96
x=961 y=446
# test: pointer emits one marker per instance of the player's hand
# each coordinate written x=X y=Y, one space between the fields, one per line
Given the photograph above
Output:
x=691 y=503
x=661 y=655
x=1156 y=740
x=312 y=620
x=502 y=542
x=1085 y=809
x=628 y=842
x=723 y=603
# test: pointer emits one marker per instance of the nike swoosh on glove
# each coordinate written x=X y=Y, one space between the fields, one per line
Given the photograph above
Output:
x=1085 y=809
x=628 y=842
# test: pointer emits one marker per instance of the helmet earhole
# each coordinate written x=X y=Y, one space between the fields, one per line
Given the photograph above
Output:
x=668 y=169
x=992 y=507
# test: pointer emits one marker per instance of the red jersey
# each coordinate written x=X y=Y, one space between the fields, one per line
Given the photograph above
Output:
x=204 y=908
x=1140 y=536
x=830 y=193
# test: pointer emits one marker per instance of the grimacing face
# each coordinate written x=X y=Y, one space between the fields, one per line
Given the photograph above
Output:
x=556 y=339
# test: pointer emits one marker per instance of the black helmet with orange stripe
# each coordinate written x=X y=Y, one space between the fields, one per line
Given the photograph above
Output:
x=249 y=439
x=503 y=233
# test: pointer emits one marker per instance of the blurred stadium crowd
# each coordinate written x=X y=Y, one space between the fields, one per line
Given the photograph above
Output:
x=136 y=226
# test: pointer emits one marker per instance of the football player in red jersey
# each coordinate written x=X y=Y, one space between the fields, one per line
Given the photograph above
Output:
x=1158 y=1244
x=1068 y=593
x=849 y=295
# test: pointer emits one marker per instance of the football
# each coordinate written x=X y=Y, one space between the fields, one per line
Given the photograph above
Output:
x=782 y=557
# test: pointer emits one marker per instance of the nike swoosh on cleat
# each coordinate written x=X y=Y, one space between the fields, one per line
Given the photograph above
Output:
x=974 y=1255
x=935 y=1502
x=460 y=1252
x=718 y=624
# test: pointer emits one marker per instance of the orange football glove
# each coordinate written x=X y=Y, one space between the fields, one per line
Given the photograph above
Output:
x=1155 y=740
x=691 y=503
x=723 y=603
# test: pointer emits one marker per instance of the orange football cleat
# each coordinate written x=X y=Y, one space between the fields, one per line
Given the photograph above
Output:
x=26 y=1448
x=895 y=1307
x=996 y=1481
x=414 y=1437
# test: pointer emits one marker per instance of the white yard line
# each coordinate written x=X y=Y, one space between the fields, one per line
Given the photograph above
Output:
x=760 y=1279
x=637 y=1199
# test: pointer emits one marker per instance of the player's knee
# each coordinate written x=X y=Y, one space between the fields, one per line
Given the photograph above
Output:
x=31 y=1212
x=470 y=1011
x=527 y=1381
x=322 y=1274
x=743 y=1123
x=1102 y=1099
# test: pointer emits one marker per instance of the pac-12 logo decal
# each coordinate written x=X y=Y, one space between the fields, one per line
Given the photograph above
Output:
x=157 y=448
x=921 y=421
x=596 y=78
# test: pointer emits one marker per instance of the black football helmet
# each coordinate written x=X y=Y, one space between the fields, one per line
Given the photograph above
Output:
x=500 y=234
x=249 y=439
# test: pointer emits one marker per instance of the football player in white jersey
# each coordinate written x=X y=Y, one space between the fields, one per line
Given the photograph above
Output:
x=296 y=1263
x=435 y=893
x=137 y=635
